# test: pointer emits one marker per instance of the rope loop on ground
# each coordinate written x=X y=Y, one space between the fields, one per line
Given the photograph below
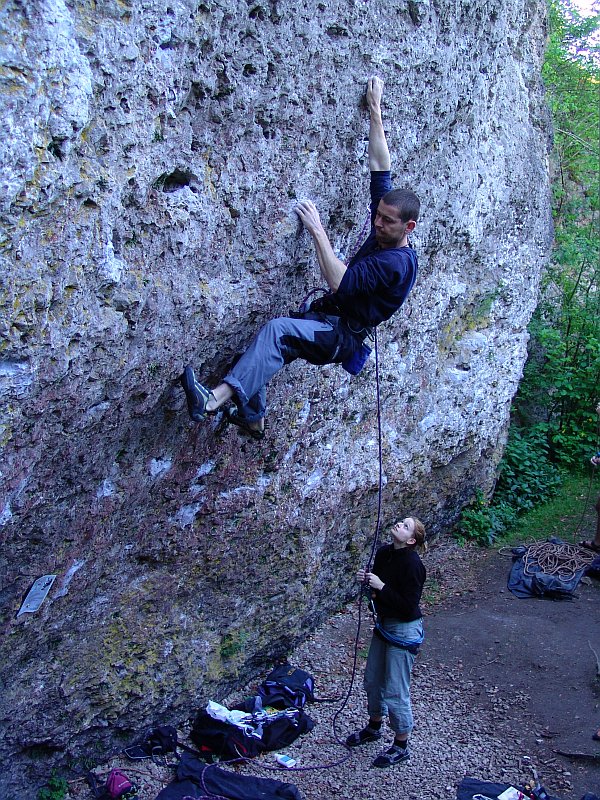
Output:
x=562 y=560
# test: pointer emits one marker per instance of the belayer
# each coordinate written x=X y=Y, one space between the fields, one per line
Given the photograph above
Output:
x=395 y=584
x=362 y=294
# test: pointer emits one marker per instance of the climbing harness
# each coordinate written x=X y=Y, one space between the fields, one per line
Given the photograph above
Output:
x=412 y=645
x=305 y=304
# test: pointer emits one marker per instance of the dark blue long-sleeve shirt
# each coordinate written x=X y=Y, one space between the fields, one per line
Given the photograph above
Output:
x=377 y=281
x=403 y=574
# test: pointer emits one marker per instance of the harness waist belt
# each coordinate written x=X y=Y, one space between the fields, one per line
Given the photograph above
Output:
x=412 y=645
x=357 y=329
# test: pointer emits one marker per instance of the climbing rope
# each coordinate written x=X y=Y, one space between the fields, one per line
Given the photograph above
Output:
x=380 y=458
x=373 y=549
x=562 y=560
x=337 y=762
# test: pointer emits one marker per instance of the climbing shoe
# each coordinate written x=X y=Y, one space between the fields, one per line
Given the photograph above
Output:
x=367 y=734
x=196 y=395
x=232 y=416
x=395 y=755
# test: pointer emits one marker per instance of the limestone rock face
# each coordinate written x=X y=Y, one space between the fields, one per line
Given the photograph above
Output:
x=152 y=152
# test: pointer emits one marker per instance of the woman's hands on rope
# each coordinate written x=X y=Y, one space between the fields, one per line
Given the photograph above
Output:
x=370 y=579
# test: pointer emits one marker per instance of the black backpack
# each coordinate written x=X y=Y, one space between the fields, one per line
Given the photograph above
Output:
x=222 y=740
x=161 y=740
x=287 y=687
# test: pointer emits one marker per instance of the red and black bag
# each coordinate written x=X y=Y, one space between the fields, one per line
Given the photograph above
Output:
x=222 y=740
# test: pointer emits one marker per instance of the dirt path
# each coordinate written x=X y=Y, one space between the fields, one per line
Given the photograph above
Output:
x=535 y=649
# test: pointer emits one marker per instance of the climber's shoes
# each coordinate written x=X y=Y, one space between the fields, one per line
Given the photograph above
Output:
x=234 y=418
x=197 y=396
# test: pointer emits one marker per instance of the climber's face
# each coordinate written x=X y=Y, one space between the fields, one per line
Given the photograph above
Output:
x=390 y=231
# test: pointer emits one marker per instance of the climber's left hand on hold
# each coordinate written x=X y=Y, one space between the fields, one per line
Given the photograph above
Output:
x=309 y=216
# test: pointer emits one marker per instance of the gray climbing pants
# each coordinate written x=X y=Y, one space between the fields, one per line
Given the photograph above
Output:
x=315 y=337
x=387 y=675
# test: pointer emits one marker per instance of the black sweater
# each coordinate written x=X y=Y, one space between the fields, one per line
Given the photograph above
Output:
x=403 y=574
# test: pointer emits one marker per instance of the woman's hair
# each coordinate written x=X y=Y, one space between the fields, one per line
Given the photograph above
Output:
x=420 y=534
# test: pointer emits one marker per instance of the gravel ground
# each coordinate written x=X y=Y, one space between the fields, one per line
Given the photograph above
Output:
x=463 y=724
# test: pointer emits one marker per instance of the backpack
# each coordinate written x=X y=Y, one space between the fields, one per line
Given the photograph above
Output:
x=155 y=744
x=216 y=739
x=119 y=785
x=287 y=687
x=161 y=740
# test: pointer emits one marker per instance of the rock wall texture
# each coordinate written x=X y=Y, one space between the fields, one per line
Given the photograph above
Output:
x=152 y=152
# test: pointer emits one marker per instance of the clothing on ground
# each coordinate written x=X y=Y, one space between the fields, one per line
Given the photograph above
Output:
x=195 y=778
x=469 y=787
x=530 y=580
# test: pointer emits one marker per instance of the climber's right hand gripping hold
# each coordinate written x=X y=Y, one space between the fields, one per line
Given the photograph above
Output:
x=332 y=269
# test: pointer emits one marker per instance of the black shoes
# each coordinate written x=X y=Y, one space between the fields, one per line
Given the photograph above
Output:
x=395 y=755
x=197 y=396
x=367 y=734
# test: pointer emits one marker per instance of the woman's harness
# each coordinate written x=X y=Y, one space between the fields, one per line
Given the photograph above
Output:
x=412 y=645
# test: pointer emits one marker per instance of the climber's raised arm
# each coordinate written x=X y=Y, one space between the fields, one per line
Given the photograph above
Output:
x=332 y=269
x=379 y=154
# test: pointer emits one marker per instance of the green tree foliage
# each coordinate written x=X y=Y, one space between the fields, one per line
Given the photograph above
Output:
x=559 y=389
x=554 y=422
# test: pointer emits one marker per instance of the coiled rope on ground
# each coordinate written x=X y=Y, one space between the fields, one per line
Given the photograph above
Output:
x=562 y=560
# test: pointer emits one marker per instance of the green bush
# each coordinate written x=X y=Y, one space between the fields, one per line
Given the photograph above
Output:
x=559 y=389
x=55 y=789
x=527 y=478
x=483 y=523
x=553 y=418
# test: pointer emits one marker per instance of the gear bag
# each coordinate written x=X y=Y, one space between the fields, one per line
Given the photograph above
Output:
x=119 y=785
x=287 y=687
x=162 y=740
x=155 y=744
x=261 y=731
x=355 y=362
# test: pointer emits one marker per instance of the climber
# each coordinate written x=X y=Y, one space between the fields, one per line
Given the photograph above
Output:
x=366 y=292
